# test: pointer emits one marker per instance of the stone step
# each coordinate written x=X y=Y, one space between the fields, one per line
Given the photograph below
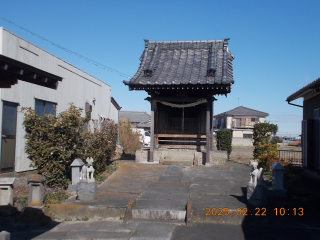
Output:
x=159 y=214
x=177 y=162
x=180 y=157
x=163 y=200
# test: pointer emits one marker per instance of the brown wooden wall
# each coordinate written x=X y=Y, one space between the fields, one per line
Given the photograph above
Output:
x=168 y=120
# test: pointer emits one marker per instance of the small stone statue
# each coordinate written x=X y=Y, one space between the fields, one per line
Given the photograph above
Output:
x=256 y=174
x=86 y=170
x=256 y=189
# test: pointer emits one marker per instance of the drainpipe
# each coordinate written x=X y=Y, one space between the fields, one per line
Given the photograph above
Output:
x=118 y=126
x=294 y=104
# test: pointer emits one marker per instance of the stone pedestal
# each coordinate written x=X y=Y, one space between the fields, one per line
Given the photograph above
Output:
x=218 y=157
x=6 y=191
x=76 y=166
x=257 y=195
x=277 y=181
x=4 y=235
x=87 y=191
x=36 y=190
x=277 y=176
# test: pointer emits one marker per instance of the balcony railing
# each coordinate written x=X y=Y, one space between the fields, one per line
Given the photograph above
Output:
x=243 y=125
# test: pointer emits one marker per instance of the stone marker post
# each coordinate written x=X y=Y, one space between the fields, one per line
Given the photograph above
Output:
x=4 y=235
x=277 y=180
x=76 y=166
x=6 y=191
x=36 y=190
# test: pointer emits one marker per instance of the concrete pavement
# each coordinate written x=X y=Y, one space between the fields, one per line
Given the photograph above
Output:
x=161 y=198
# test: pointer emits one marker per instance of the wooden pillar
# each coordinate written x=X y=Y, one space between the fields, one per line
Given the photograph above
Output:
x=211 y=127
x=152 y=130
x=208 y=131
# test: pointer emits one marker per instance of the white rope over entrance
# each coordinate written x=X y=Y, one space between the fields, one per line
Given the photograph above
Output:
x=198 y=102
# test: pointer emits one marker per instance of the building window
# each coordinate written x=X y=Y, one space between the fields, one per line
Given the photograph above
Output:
x=224 y=125
x=219 y=123
x=44 y=107
x=246 y=135
x=237 y=122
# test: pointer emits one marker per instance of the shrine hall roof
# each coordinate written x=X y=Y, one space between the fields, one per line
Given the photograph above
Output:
x=184 y=62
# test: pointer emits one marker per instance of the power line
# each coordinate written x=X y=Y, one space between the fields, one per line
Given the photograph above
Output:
x=71 y=52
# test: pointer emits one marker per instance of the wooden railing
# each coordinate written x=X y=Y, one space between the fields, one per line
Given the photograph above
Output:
x=182 y=139
x=294 y=157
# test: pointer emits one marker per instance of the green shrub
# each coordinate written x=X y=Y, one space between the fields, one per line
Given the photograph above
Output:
x=263 y=140
x=100 y=144
x=224 y=140
x=53 y=142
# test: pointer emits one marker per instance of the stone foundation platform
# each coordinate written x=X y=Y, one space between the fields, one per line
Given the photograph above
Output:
x=181 y=157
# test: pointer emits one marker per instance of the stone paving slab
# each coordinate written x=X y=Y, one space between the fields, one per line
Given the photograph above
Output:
x=132 y=178
x=168 y=188
x=218 y=209
x=219 y=188
x=156 y=231
x=162 y=196
x=247 y=232
x=172 y=174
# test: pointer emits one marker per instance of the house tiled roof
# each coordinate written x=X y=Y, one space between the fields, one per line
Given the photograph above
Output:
x=242 y=111
x=135 y=116
x=313 y=85
x=184 y=63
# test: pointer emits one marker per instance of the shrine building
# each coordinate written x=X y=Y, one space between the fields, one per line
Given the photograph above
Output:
x=182 y=79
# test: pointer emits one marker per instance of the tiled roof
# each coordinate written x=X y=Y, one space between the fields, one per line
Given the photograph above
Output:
x=242 y=111
x=304 y=90
x=184 y=62
x=135 y=116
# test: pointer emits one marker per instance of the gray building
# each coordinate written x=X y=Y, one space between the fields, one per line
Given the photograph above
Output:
x=37 y=79
x=310 y=138
x=137 y=119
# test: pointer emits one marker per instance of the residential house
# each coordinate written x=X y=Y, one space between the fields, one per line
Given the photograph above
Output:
x=241 y=121
x=137 y=119
x=310 y=124
x=32 y=77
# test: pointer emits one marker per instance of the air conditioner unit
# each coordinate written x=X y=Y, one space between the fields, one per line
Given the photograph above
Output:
x=88 y=107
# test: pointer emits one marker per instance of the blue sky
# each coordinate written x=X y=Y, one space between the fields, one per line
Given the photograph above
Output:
x=275 y=43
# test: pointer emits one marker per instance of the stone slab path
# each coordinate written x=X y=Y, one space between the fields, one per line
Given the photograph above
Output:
x=161 y=194
x=165 y=199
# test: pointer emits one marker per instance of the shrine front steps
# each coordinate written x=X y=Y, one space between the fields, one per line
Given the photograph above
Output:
x=181 y=158
x=165 y=200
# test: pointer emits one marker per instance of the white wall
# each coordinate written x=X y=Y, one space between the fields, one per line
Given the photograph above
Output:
x=113 y=113
x=262 y=120
x=229 y=122
x=1 y=35
x=77 y=87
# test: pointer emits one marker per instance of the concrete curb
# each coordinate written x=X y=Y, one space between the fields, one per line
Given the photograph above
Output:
x=128 y=212
x=189 y=214
x=79 y=212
